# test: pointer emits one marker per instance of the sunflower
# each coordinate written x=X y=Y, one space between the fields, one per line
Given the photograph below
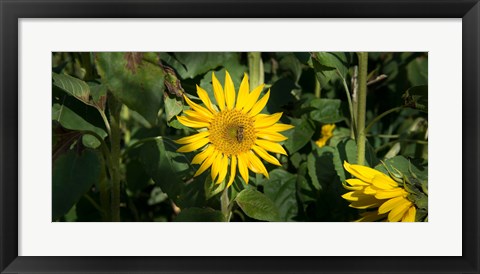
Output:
x=327 y=133
x=233 y=132
x=373 y=189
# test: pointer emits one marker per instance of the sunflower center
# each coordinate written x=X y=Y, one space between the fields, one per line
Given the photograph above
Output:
x=232 y=132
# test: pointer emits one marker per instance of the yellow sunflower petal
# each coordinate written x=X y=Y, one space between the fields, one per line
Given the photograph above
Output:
x=201 y=110
x=271 y=146
x=193 y=138
x=347 y=187
x=267 y=157
x=243 y=166
x=229 y=91
x=264 y=120
x=356 y=182
x=259 y=105
x=252 y=98
x=257 y=164
x=193 y=146
x=369 y=190
x=206 y=164
x=196 y=116
x=363 y=173
x=383 y=181
x=205 y=99
x=388 y=194
x=189 y=122
x=233 y=169
x=216 y=166
x=410 y=215
x=223 y=170
x=391 y=204
x=279 y=127
x=365 y=202
x=243 y=93
x=354 y=196
x=271 y=136
x=396 y=214
x=218 y=92
x=200 y=157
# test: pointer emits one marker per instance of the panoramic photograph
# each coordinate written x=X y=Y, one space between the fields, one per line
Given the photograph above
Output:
x=239 y=137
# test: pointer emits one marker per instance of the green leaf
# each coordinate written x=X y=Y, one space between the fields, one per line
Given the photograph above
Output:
x=212 y=189
x=337 y=61
x=326 y=111
x=257 y=206
x=320 y=167
x=99 y=96
x=137 y=83
x=72 y=176
x=195 y=63
x=299 y=136
x=137 y=178
x=71 y=120
x=73 y=86
x=194 y=214
x=280 y=188
x=291 y=64
x=417 y=71
x=281 y=95
x=169 y=169
x=173 y=106
x=417 y=97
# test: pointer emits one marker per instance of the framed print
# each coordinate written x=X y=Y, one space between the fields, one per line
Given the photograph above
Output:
x=236 y=136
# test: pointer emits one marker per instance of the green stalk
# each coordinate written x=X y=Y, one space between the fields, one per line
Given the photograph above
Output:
x=224 y=201
x=376 y=119
x=362 y=106
x=350 y=107
x=103 y=184
x=115 y=107
x=318 y=88
x=255 y=67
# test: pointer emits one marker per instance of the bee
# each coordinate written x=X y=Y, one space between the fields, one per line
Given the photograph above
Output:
x=240 y=130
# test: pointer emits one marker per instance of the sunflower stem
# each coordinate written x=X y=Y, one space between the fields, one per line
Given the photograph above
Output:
x=115 y=107
x=362 y=105
x=255 y=66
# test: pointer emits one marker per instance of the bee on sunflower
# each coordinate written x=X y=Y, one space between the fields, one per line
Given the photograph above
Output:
x=232 y=133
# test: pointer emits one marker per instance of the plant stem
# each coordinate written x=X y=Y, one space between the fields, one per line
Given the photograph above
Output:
x=115 y=107
x=362 y=106
x=376 y=119
x=103 y=184
x=318 y=88
x=105 y=120
x=350 y=107
x=255 y=66
x=224 y=204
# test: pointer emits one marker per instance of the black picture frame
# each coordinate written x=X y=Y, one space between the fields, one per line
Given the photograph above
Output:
x=11 y=11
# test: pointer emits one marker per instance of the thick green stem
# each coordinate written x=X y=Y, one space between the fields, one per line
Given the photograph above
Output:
x=318 y=88
x=362 y=106
x=255 y=67
x=115 y=107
